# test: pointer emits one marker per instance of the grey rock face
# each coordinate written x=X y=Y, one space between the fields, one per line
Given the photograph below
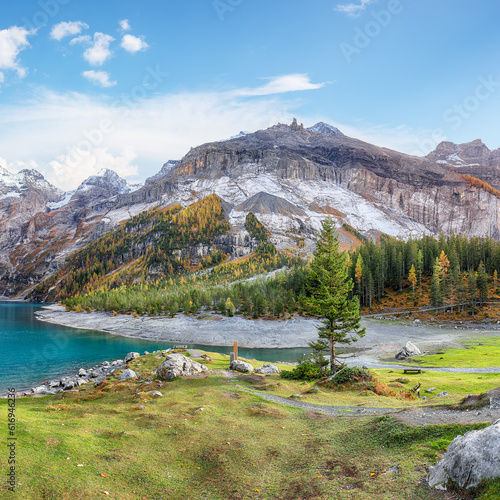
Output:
x=176 y=365
x=409 y=350
x=241 y=366
x=130 y=356
x=469 y=459
x=267 y=369
x=128 y=374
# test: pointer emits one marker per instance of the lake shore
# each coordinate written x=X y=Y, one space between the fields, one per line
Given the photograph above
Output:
x=383 y=338
x=209 y=330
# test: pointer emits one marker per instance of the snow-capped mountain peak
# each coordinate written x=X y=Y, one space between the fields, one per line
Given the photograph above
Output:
x=325 y=129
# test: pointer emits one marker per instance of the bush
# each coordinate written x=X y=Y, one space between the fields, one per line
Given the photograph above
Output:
x=350 y=375
x=307 y=369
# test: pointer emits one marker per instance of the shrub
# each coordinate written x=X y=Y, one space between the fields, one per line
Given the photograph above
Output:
x=350 y=375
x=307 y=369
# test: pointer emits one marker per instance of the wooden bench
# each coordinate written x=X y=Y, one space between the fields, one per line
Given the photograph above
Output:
x=412 y=370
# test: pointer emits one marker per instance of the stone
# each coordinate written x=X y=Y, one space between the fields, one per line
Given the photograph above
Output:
x=68 y=383
x=469 y=459
x=42 y=389
x=128 y=374
x=82 y=372
x=267 y=369
x=177 y=365
x=105 y=363
x=100 y=380
x=95 y=373
x=393 y=470
x=241 y=366
x=495 y=403
x=145 y=353
x=313 y=390
x=409 y=350
x=430 y=389
x=231 y=357
x=118 y=362
x=131 y=356
x=155 y=394
x=442 y=394
x=296 y=396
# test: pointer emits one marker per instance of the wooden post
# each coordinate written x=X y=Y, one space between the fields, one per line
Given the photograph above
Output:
x=235 y=349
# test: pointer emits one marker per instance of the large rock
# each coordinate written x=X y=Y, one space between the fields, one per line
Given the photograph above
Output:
x=130 y=356
x=409 y=350
x=267 y=369
x=176 y=365
x=128 y=374
x=469 y=459
x=241 y=366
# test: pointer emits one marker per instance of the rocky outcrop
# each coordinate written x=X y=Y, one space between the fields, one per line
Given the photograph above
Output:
x=409 y=350
x=469 y=459
x=241 y=366
x=178 y=365
x=267 y=369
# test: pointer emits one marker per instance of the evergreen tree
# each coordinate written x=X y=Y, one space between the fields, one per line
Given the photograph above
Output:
x=482 y=284
x=472 y=291
x=329 y=287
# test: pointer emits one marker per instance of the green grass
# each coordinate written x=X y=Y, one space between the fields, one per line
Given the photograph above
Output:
x=472 y=355
x=237 y=447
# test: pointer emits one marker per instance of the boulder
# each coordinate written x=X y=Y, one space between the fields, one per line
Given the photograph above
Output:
x=82 y=372
x=469 y=459
x=409 y=350
x=128 y=374
x=177 y=365
x=130 y=356
x=267 y=369
x=240 y=366
x=118 y=362
x=100 y=380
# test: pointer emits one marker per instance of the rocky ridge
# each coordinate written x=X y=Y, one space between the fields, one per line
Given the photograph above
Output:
x=291 y=177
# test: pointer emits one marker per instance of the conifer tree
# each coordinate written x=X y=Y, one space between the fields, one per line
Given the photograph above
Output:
x=329 y=286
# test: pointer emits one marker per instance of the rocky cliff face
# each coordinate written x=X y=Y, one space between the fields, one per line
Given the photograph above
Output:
x=289 y=176
x=318 y=172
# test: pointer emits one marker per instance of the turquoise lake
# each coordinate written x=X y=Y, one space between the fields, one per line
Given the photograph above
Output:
x=34 y=351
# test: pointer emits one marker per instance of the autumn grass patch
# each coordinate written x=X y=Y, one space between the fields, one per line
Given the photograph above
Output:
x=208 y=438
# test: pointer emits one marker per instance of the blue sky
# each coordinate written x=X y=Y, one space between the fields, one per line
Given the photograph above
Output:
x=129 y=85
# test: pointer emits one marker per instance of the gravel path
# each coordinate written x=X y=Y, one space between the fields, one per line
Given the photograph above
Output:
x=410 y=416
x=333 y=411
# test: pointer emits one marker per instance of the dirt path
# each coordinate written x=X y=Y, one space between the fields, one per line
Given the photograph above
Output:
x=410 y=416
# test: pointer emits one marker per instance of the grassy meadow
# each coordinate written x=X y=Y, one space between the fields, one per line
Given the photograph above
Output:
x=207 y=438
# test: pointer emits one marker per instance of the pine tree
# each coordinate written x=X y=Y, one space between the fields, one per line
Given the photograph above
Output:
x=472 y=291
x=420 y=266
x=436 y=295
x=329 y=287
x=482 y=284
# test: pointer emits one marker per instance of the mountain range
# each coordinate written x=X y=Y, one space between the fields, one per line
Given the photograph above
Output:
x=289 y=176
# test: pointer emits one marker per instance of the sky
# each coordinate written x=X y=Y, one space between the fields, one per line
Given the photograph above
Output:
x=129 y=84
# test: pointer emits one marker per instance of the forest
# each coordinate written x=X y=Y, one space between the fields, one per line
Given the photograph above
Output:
x=456 y=272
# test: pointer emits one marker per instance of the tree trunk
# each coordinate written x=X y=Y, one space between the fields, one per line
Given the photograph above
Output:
x=333 y=368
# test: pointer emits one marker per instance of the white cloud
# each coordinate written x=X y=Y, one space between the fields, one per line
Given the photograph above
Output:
x=69 y=170
x=125 y=25
x=12 y=41
x=81 y=39
x=280 y=85
x=64 y=29
x=99 y=78
x=2 y=77
x=156 y=129
x=353 y=9
x=99 y=52
x=133 y=44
